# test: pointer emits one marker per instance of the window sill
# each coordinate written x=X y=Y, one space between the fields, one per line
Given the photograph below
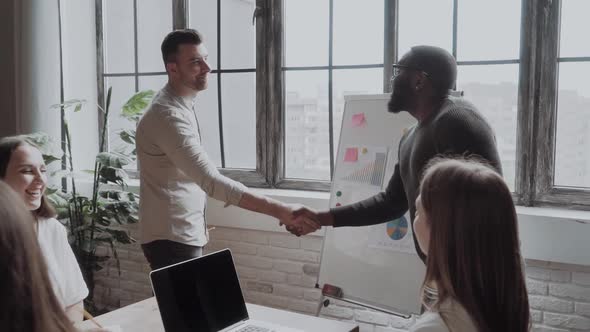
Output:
x=573 y=215
x=546 y=234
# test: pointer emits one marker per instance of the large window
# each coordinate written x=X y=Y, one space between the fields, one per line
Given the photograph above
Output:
x=320 y=68
x=227 y=109
x=132 y=35
x=572 y=147
x=487 y=71
x=133 y=31
x=271 y=116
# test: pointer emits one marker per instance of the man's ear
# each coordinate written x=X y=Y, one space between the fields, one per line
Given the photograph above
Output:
x=420 y=81
x=171 y=67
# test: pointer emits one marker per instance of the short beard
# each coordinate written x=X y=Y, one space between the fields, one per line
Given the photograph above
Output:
x=400 y=96
x=395 y=104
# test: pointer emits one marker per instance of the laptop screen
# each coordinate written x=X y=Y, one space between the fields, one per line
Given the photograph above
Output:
x=202 y=294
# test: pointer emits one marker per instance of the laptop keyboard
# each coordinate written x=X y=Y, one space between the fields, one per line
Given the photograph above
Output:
x=253 y=328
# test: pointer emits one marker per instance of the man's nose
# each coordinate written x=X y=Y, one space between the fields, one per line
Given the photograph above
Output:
x=206 y=66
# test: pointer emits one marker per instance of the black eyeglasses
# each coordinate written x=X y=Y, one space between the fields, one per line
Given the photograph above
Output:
x=397 y=71
x=398 y=68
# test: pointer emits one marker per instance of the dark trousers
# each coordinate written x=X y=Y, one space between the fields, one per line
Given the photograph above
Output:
x=162 y=253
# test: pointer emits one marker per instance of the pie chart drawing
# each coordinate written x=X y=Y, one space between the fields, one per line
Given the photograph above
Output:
x=397 y=229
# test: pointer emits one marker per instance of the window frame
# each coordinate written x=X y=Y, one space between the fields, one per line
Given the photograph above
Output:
x=180 y=20
x=537 y=98
x=537 y=129
x=273 y=15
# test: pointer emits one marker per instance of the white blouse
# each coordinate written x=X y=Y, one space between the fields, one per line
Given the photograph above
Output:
x=456 y=319
x=63 y=269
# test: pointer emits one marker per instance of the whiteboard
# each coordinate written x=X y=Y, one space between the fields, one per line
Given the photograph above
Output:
x=376 y=265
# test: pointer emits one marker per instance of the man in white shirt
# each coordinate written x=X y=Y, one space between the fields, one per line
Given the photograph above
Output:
x=176 y=175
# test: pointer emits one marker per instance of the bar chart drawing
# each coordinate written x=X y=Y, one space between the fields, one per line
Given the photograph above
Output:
x=370 y=169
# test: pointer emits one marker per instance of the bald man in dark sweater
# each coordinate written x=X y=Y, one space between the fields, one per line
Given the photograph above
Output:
x=446 y=126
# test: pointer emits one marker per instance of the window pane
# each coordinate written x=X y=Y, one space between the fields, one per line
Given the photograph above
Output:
x=306 y=32
x=352 y=82
x=238 y=93
x=154 y=22
x=418 y=26
x=203 y=18
x=238 y=35
x=123 y=89
x=574 y=28
x=480 y=36
x=307 y=145
x=118 y=36
x=208 y=115
x=572 y=155
x=361 y=42
x=494 y=91
x=155 y=83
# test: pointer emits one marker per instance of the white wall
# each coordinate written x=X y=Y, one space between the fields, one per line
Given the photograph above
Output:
x=30 y=66
x=280 y=270
x=31 y=70
x=7 y=68
x=38 y=69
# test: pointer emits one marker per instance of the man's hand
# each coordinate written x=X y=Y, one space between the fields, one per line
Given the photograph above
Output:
x=307 y=221
x=297 y=219
x=300 y=220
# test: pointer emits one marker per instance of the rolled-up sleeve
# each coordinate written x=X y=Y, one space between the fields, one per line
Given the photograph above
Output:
x=177 y=138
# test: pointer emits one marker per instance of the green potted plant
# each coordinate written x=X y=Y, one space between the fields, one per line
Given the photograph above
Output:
x=99 y=218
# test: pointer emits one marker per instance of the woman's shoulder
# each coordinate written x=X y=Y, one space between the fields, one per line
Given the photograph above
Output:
x=450 y=315
x=456 y=316
x=430 y=321
x=51 y=227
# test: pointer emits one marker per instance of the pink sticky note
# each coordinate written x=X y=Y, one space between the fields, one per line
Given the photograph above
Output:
x=358 y=120
x=351 y=155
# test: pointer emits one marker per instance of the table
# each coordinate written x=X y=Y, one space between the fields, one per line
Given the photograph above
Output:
x=144 y=316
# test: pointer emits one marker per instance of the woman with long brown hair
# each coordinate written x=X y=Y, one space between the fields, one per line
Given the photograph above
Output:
x=23 y=169
x=466 y=223
x=27 y=302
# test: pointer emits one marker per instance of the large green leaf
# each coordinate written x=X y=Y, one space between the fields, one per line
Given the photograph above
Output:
x=76 y=103
x=134 y=107
x=61 y=202
x=112 y=159
x=128 y=136
x=121 y=212
x=51 y=190
x=118 y=195
x=120 y=236
x=57 y=200
x=133 y=197
x=48 y=159
x=111 y=194
x=113 y=175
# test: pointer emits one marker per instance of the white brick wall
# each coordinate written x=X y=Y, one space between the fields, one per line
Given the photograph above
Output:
x=280 y=270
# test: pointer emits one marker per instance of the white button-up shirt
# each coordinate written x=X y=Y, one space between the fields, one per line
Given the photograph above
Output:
x=176 y=174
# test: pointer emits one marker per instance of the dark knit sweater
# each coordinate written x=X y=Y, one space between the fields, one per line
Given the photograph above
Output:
x=456 y=129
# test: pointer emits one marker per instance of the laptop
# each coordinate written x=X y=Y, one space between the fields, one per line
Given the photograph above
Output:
x=203 y=295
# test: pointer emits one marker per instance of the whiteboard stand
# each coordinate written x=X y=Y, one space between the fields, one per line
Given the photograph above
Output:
x=368 y=266
x=325 y=301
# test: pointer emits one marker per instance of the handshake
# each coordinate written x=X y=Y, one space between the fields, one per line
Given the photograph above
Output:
x=301 y=220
